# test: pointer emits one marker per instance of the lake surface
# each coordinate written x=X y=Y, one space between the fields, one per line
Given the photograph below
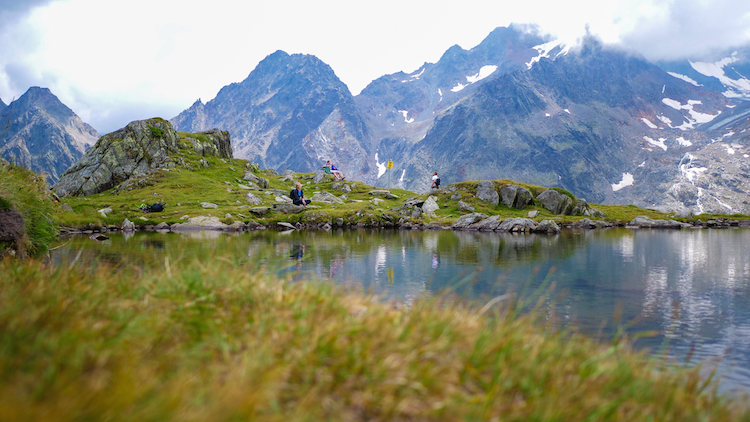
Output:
x=692 y=287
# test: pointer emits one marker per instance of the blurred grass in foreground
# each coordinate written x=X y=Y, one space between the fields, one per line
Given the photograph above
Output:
x=195 y=342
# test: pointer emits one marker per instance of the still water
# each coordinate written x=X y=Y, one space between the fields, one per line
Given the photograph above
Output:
x=691 y=287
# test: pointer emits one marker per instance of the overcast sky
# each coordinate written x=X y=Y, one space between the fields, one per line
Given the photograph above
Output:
x=117 y=61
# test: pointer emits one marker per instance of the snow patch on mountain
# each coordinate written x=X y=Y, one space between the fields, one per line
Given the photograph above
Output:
x=545 y=49
x=685 y=78
x=736 y=88
x=405 y=113
x=648 y=123
x=381 y=167
x=683 y=142
x=627 y=180
x=659 y=143
x=696 y=117
x=484 y=72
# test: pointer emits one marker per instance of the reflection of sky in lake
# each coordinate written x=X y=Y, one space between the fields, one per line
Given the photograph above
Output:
x=692 y=286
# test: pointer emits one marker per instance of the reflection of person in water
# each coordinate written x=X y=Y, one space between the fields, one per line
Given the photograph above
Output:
x=297 y=252
x=435 y=261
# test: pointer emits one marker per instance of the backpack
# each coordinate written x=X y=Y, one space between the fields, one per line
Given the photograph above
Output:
x=157 y=207
x=437 y=182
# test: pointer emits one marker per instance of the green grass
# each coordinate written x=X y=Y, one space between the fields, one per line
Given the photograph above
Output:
x=218 y=340
x=27 y=192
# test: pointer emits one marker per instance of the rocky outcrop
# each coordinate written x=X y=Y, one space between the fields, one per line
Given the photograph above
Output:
x=11 y=226
x=132 y=152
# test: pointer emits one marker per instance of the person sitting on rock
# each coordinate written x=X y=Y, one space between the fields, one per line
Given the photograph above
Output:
x=327 y=167
x=298 y=196
x=435 y=181
x=337 y=175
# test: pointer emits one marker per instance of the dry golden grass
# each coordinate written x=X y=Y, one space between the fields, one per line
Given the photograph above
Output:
x=224 y=342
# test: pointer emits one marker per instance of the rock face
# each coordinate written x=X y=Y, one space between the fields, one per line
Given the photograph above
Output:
x=44 y=135
x=130 y=152
x=289 y=113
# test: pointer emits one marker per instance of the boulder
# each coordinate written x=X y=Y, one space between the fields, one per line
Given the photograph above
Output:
x=286 y=225
x=555 y=202
x=286 y=208
x=547 y=226
x=430 y=206
x=533 y=214
x=206 y=223
x=518 y=224
x=326 y=198
x=127 y=226
x=321 y=176
x=514 y=196
x=262 y=182
x=488 y=224
x=209 y=205
x=486 y=192
x=464 y=207
x=283 y=199
x=161 y=226
x=252 y=199
x=259 y=210
x=66 y=207
x=465 y=221
x=384 y=193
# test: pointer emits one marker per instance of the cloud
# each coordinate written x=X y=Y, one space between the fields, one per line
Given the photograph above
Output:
x=695 y=29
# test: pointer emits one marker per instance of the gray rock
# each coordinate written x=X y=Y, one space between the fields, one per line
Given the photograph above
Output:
x=555 y=202
x=465 y=221
x=287 y=225
x=488 y=224
x=645 y=222
x=384 y=193
x=326 y=198
x=464 y=207
x=518 y=224
x=430 y=206
x=283 y=199
x=161 y=226
x=547 y=226
x=259 y=210
x=252 y=199
x=486 y=192
x=533 y=214
x=286 y=208
x=127 y=226
x=237 y=226
x=514 y=196
x=262 y=182
x=321 y=176
x=456 y=196
x=207 y=223
x=339 y=221
x=209 y=205
x=67 y=207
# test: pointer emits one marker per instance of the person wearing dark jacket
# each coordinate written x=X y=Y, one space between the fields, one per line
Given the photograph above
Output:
x=298 y=196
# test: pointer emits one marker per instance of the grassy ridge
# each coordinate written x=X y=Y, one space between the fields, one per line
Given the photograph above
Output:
x=224 y=341
x=216 y=180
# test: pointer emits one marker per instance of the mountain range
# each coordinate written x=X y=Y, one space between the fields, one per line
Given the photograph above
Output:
x=604 y=123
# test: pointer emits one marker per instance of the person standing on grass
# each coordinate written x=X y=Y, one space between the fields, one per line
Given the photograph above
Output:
x=298 y=196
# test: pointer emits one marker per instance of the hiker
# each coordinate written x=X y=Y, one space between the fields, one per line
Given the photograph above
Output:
x=336 y=173
x=298 y=197
x=327 y=167
x=435 y=181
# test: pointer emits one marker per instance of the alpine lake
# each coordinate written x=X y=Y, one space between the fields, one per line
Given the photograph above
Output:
x=681 y=295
